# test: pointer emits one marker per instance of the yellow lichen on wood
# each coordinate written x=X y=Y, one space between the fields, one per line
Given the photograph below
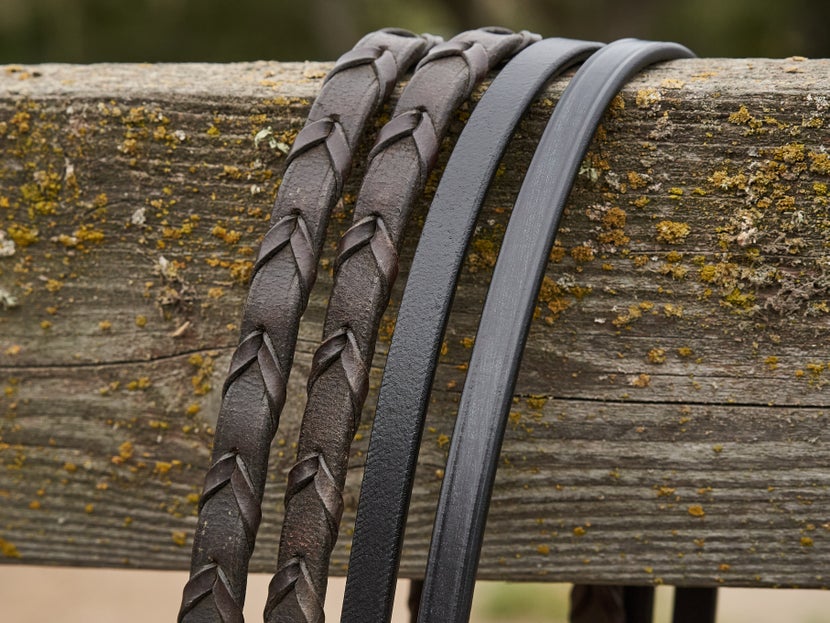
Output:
x=733 y=243
x=204 y=371
x=657 y=355
x=8 y=549
x=696 y=510
x=672 y=232
x=536 y=402
x=641 y=380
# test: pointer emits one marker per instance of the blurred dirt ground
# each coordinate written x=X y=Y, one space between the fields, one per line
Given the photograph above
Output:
x=70 y=595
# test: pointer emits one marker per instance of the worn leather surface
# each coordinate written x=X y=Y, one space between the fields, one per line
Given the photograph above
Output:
x=508 y=308
x=422 y=319
x=365 y=270
x=254 y=392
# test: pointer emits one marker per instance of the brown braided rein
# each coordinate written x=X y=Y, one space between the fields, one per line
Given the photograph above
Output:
x=365 y=270
x=254 y=392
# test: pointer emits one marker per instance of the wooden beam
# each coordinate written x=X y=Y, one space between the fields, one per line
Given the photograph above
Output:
x=671 y=418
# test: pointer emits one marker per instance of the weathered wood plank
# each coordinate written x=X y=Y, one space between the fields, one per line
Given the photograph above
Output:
x=671 y=415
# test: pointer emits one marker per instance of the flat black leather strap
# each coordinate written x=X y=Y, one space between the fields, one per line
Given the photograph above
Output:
x=365 y=270
x=254 y=392
x=508 y=308
x=421 y=321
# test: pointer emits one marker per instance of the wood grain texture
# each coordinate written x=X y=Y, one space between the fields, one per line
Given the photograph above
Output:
x=671 y=415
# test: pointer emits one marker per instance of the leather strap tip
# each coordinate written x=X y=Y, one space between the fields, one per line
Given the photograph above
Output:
x=442 y=50
x=529 y=37
x=473 y=52
x=400 y=32
x=432 y=40
x=401 y=125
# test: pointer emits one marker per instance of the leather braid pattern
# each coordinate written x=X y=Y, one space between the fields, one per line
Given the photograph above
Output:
x=413 y=355
x=254 y=392
x=328 y=132
x=342 y=348
x=371 y=232
x=258 y=348
x=313 y=470
x=365 y=271
x=230 y=469
x=210 y=580
x=295 y=583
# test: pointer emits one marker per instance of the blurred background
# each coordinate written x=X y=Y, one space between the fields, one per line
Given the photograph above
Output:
x=107 y=596
x=84 y=31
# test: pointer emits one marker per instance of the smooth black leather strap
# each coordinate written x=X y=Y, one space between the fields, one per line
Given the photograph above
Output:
x=254 y=392
x=508 y=308
x=421 y=321
x=366 y=267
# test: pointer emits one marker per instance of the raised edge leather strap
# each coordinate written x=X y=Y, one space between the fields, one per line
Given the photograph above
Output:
x=254 y=392
x=365 y=270
x=508 y=309
x=422 y=319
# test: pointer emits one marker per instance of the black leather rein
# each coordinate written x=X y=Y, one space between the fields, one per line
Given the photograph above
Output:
x=508 y=309
x=422 y=319
x=365 y=270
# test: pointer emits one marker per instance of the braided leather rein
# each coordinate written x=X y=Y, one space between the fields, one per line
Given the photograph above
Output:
x=421 y=321
x=365 y=270
x=505 y=320
x=254 y=392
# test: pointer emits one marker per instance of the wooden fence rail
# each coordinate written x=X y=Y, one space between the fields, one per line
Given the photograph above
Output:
x=671 y=420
